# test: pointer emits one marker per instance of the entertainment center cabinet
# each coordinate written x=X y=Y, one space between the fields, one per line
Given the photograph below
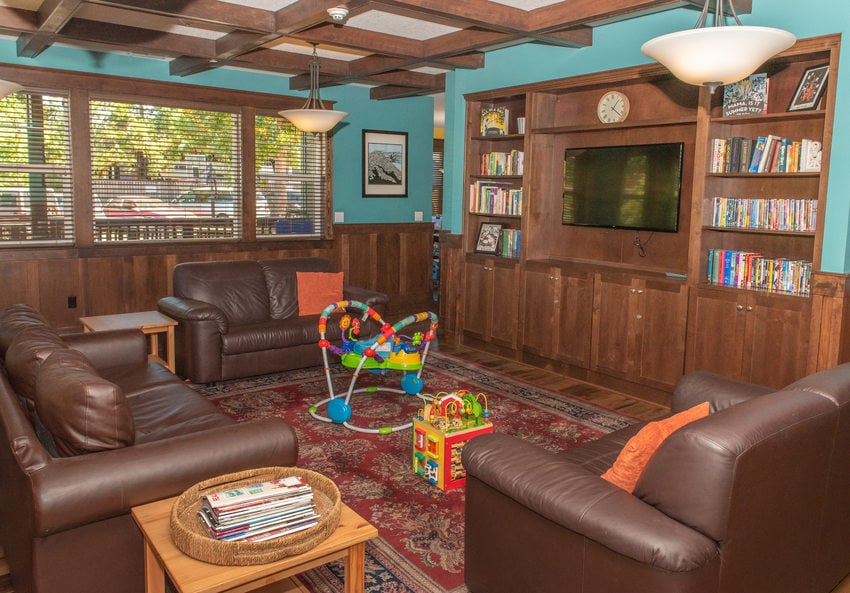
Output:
x=635 y=309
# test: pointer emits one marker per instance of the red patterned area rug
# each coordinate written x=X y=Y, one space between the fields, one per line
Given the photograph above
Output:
x=420 y=543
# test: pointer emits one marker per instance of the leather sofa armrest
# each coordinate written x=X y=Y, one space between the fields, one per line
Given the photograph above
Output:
x=584 y=503
x=187 y=310
x=74 y=491
x=376 y=300
x=721 y=392
x=108 y=349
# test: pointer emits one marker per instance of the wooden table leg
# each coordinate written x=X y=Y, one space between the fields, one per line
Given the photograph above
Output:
x=169 y=345
x=154 y=574
x=355 y=569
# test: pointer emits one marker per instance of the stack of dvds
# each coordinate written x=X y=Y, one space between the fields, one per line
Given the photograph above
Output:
x=259 y=512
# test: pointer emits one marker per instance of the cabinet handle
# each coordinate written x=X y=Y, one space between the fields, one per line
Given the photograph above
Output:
x=556 y=301
x=633 y=290
x=640 y=291
x=739 y=307
x=749 y=307
x=638 y=316
x=551 y=277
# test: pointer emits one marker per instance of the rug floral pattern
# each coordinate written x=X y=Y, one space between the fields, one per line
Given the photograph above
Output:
x=420 y=543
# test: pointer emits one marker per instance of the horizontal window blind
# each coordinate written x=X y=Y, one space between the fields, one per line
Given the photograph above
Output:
x=164 y=173
x=35 y=169
x=291 y=175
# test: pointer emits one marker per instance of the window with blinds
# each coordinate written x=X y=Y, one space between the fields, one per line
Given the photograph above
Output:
x=164 y=173
x=35 y=170
x=291 y=171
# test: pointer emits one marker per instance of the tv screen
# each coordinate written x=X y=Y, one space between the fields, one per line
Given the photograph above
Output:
x=624 y=187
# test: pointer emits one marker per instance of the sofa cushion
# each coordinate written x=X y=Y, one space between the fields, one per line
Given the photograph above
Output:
x=13 y=319
x=282 y=282
x=168 y=411
x=317 y=290
x=637 y=452
x=82 y=411
x=237 y=288
x=272 y=335
x=29 y=349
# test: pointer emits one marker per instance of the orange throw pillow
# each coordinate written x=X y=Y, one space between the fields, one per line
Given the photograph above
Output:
x=639 y=449
x=317 y=290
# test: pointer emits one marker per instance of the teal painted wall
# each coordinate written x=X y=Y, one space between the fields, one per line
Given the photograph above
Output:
x=414 y=116
x=617 y=46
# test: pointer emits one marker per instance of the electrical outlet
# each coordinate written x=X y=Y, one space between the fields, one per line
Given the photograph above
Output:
x=72 y=302
x=417 y=216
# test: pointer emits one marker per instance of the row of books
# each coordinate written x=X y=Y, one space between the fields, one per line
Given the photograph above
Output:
x=259 y=512
x=775 y=214
x=502 y=163
x=494 y=198
x=510 y=243
x=746 y=269
x=765 y=154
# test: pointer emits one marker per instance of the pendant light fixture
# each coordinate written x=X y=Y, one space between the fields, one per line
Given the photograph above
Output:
x=716 y=55
x=313 y=117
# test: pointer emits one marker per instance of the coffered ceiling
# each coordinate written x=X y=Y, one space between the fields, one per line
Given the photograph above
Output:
x=398 y=47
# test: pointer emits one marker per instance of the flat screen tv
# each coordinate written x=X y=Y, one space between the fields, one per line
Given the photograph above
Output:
x=624 y=187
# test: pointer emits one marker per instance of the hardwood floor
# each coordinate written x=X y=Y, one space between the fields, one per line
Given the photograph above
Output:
x=598 y=395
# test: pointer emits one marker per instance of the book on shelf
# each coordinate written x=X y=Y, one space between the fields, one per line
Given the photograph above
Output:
x=765 y=154
x=510 y=243
x=754 y=271
x=775 y=214
x=492 y=197
x=747 y=96
x=502 y=163
x=494 y=121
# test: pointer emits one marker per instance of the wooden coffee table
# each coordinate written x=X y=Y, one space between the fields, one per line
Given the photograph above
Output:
x=194 y=576
x=152 y=323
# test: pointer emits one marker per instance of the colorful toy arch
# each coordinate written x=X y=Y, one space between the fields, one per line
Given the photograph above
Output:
x=389 y=350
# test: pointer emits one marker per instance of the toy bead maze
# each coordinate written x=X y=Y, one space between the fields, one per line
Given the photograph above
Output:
x=387 y=351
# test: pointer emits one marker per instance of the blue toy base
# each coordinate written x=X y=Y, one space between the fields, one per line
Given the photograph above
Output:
x=338 y=410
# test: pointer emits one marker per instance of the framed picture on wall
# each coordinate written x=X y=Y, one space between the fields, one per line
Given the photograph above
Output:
x=809 y=90
x=489 y=238
x=384 y=164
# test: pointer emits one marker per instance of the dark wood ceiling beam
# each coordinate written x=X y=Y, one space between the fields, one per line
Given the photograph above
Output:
x=385 y=92
x=578 y=37
x=52 y=16
x=407 y=78
x=211 y=12
x=463 y=42
x=305 y=14
x=367 y=41
x=16 y=20
x=81 y=32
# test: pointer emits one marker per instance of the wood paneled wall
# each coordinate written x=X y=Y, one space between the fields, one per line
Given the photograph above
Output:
x=391 y=258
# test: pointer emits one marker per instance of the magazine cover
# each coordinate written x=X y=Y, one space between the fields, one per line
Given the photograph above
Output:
x=746 y=97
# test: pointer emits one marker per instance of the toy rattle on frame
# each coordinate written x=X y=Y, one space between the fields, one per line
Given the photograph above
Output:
x=386 y=351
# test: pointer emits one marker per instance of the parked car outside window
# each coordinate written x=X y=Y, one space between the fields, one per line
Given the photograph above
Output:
x=212 y=202
x=142 y=206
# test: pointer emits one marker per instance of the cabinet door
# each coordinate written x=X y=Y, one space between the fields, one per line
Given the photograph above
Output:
x=574 y=302
x=777 y=339
x=613 y=349
x=661 y=326
x=503 y=314
x=539 y=312
x=716 y=337
x=478 y=299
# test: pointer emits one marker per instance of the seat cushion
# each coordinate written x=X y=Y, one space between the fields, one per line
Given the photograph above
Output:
x=168 y=411
x=295 y=331
x=134 y=379
x=82 y=411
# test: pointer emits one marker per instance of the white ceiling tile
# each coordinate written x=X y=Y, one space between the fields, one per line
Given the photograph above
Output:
x=400 y=26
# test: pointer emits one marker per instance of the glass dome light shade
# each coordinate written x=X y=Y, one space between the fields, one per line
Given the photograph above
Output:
x=313 y=120
x=713 y=56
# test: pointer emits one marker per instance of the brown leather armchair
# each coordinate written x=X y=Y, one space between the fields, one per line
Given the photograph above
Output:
x=753 y=498
x=240 y=318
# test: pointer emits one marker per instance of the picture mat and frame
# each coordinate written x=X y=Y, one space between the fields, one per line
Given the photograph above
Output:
x=384 y=164
x=810 y=88
x=489 y=238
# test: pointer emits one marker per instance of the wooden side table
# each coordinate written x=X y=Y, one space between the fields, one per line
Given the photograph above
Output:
x=194 y=576
x=152 y=323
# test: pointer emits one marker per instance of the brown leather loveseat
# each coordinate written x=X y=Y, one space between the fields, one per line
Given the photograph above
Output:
x=89 y=429
x=241 y=318
x=754 y=498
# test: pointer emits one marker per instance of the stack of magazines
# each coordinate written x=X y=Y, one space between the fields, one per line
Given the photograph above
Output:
x=259 y=512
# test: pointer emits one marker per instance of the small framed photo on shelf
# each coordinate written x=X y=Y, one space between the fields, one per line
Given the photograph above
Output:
x=809 y=90
x=384 y=164
x=489 y=238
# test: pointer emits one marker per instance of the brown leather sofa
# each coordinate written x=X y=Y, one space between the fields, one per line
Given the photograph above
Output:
x=754 y=498
x=240 y=318
x=89 y=429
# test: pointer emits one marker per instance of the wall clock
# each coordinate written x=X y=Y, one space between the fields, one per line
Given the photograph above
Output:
x=613 y=107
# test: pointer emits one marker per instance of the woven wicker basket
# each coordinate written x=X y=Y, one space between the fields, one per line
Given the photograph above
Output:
x=192 y=539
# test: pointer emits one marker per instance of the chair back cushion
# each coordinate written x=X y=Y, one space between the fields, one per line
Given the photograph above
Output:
x=82 y=411
x=282 y=283
x=13 y=319
x=238 y=288
x=29 y=349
